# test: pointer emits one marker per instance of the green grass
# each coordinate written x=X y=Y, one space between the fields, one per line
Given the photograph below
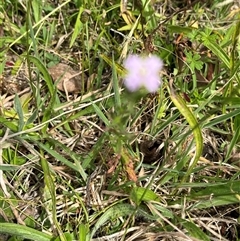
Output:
x=106 y=164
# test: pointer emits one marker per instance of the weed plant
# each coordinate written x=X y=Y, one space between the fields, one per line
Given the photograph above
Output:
x=104 y=162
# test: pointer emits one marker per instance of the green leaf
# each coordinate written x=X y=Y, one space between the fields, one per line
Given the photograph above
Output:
x=23 y=232
x=114 y=212
x=83 y=232
x=67 y=236
x=37 y=9
x=32 y=118
x=164 y=211
x=9 y=124
x=217 y=201
x=139 y=194
x=218 y=194
x=194 y=61
x=194 y=230
x=180 y=29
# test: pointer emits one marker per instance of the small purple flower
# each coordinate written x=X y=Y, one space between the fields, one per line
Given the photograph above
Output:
x=142 y=71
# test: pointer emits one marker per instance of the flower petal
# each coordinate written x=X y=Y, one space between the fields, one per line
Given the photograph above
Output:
x=133 y=62
x=132 y=82
x=142 y=71
x=153 y=84
x=153 y=64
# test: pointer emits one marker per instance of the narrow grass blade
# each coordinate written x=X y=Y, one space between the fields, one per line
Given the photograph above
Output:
x=57 y=156
x=45 y=18
x=233 y=143
x=50 y=186
x=3 y=60
x=116 y=85
x=187 y=113
x=211 y=44
x=76 y=157
x=222 y=118
x=235 y=40
x=166 y=123
x=101 y=115
x=77 y=27
x=41 y=67
x=8 y=167
x=48 y=112
x=19 y=110
x=32 y=39
x=120 y=70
